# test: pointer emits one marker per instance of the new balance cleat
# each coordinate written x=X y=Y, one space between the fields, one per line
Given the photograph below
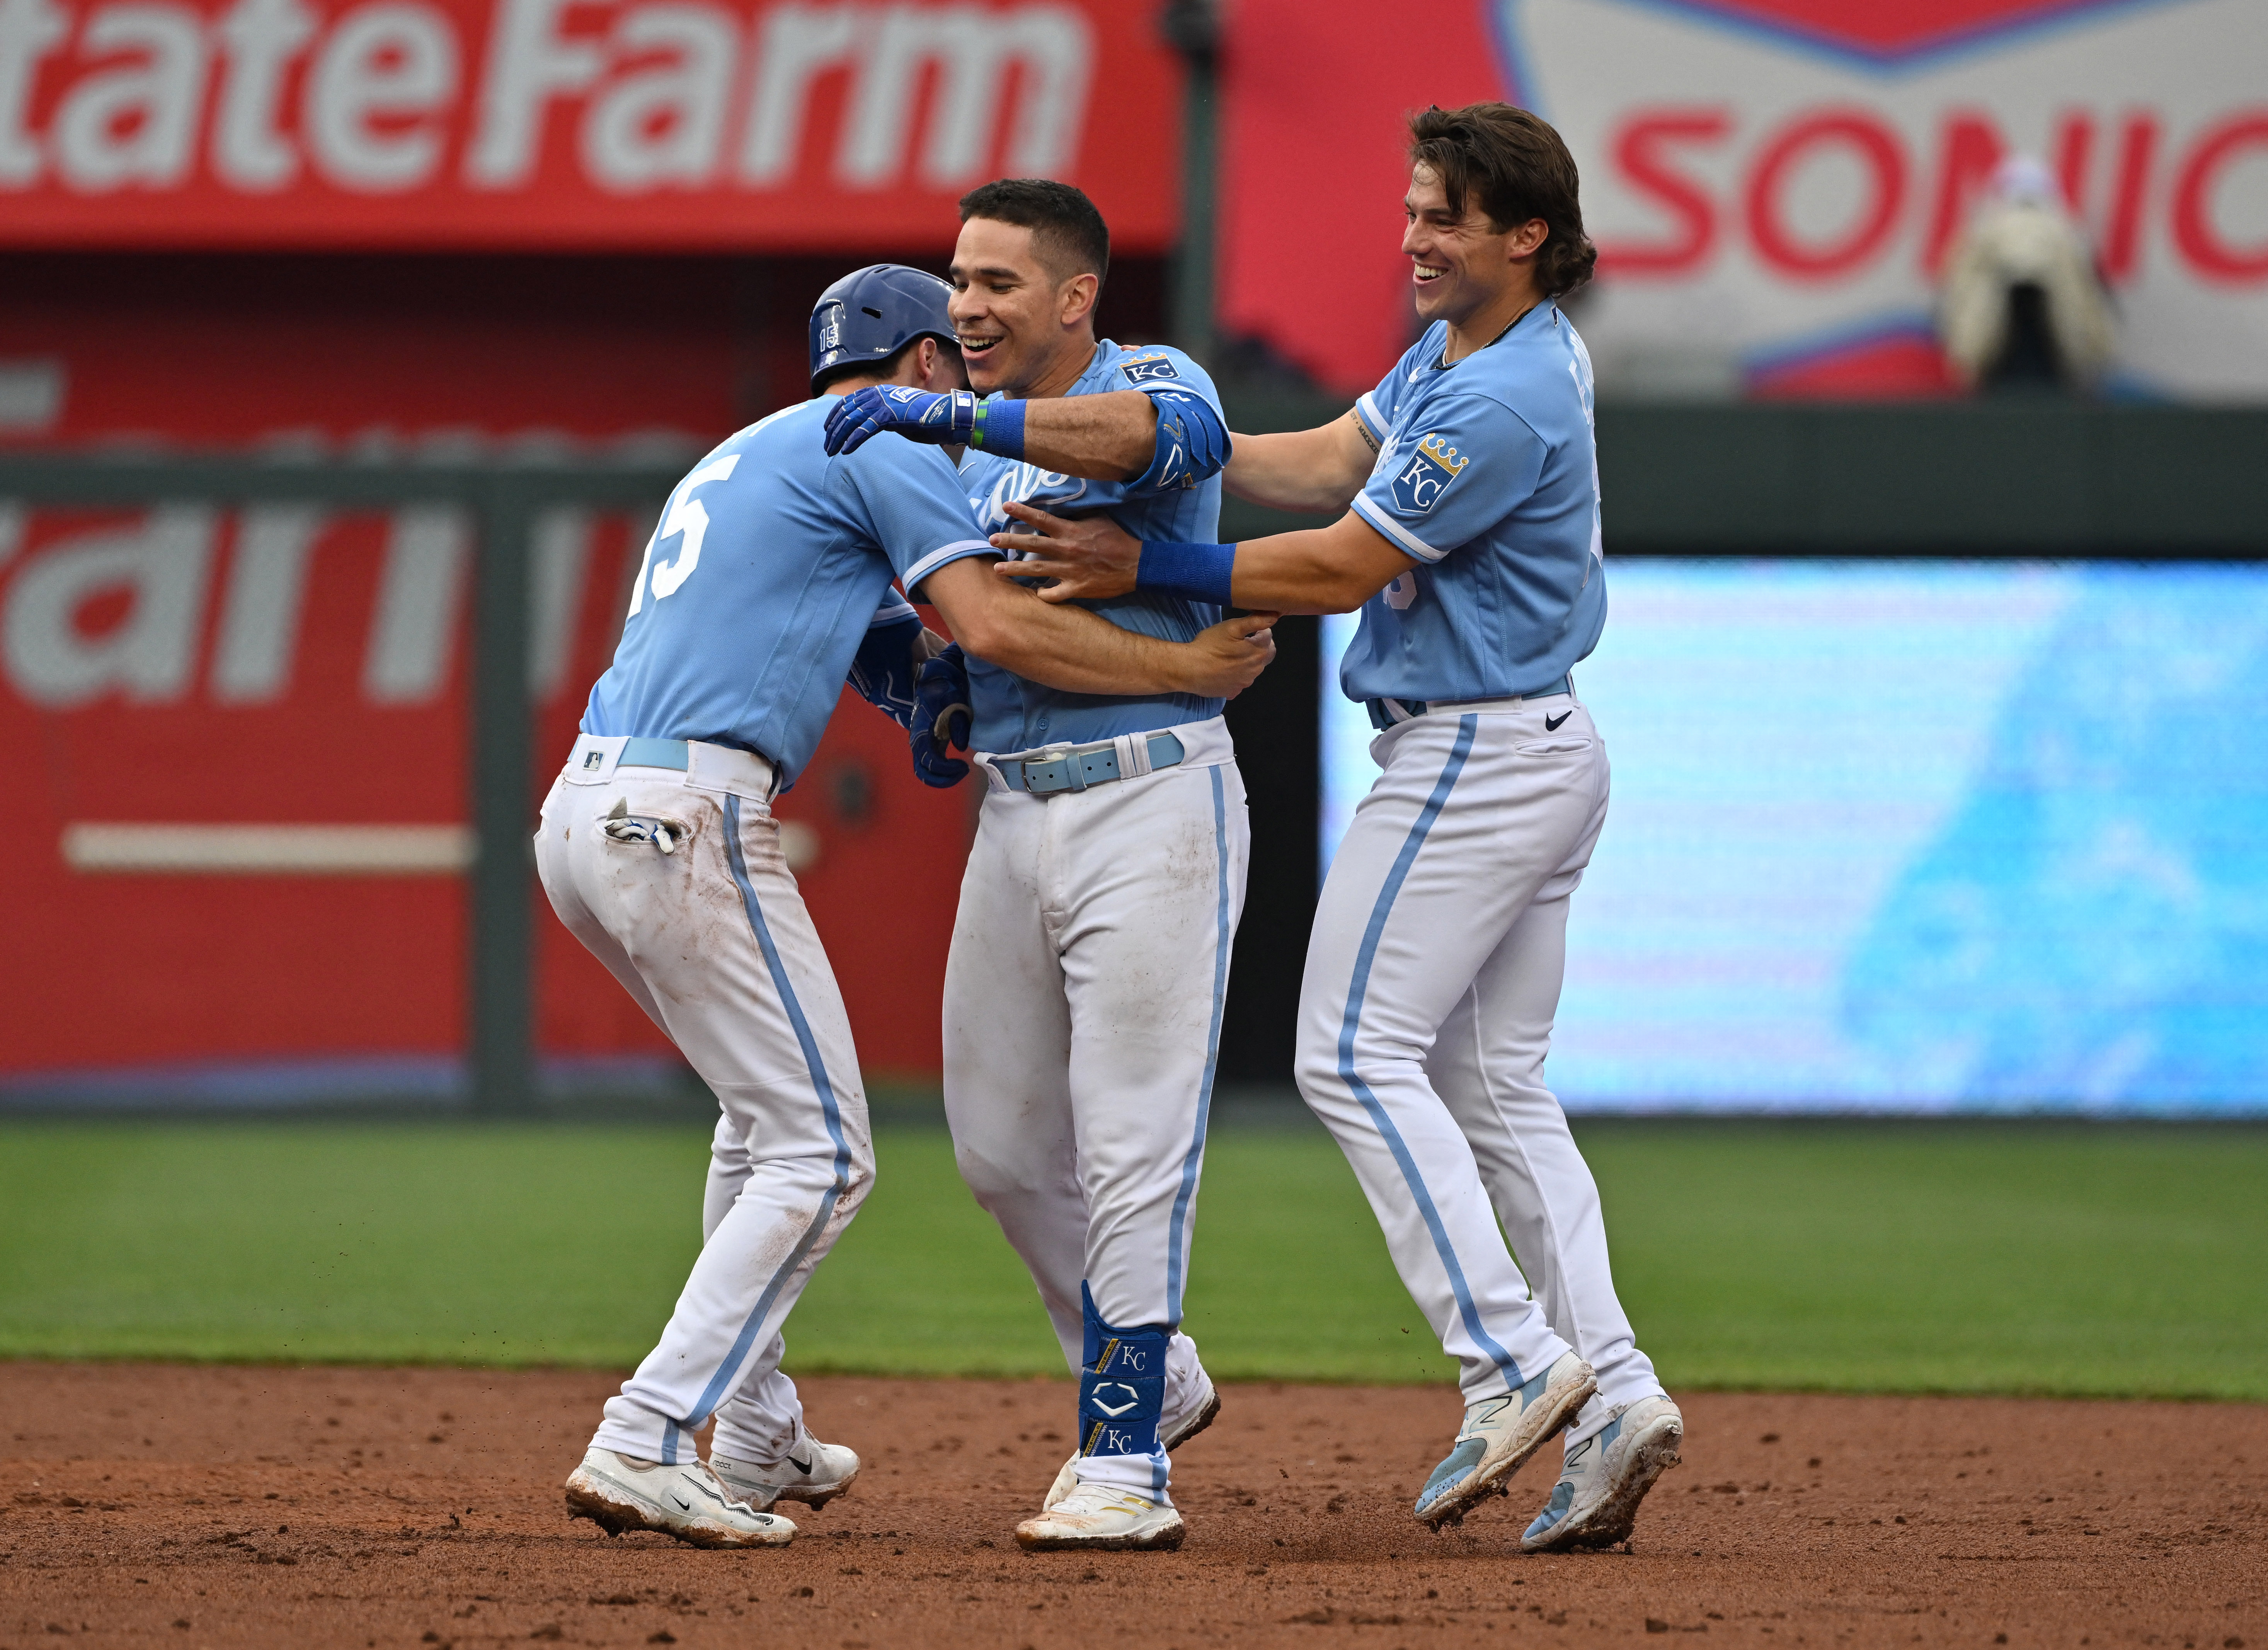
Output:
x=1498 y=1436
x=1594 y=1504
x=811 y=1472
x=1102 y=1518
x=618 y=1494
x=1192 y=1405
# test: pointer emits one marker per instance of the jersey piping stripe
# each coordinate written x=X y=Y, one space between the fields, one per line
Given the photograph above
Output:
x=726 y=1377
x=1394 y=530
x=1177 y=1250
x=1468 y=726
x=1366 y=410
x=939 y=556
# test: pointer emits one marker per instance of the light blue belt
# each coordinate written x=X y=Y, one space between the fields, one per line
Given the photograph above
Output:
x=1081 y=766
x=654 y=753
x=1383 y=718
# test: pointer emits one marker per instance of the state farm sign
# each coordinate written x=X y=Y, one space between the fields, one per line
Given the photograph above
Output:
x=1775 y=186
x=581 y=123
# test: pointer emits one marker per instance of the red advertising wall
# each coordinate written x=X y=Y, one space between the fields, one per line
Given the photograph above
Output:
x=465 y=228
x=649 y=124
x=1774 y=185
x=289 y=667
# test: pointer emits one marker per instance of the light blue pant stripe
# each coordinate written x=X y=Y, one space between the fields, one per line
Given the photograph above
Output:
x=1467 y=728
x=1177 y=1245
x=722 y=1383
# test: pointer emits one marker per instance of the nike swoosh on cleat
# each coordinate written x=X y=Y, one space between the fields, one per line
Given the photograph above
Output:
x=800 y=1466
x=683 y=1504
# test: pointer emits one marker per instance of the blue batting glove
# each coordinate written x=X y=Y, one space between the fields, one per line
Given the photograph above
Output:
x=916 y=414
x=940 y=718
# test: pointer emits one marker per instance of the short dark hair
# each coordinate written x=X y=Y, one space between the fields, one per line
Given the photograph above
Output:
x=885 y=369
x=1514 y=167
x=1067 y=233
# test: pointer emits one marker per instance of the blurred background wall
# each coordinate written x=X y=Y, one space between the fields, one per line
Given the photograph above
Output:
x=1895 y=825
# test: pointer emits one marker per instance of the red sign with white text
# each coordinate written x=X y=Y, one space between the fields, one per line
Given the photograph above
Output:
x=1775 y=185
x=654 y=124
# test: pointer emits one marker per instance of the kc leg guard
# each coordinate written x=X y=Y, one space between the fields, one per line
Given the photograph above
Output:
x=1122 y=1388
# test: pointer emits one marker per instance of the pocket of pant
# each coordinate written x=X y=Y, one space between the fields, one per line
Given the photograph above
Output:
x=1554 y=746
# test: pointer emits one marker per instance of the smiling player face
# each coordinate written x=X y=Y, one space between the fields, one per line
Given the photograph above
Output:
x=1018 y=320
x=1461 y=266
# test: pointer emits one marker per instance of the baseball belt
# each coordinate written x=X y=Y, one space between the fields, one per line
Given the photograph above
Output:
x=1384 y=713
x=1080 y=767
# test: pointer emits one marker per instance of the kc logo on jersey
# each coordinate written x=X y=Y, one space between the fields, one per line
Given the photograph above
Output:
x=1419 y=485
x=1148 y=369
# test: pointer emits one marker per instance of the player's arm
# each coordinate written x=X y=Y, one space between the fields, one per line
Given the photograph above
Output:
x=1075 y=651
x=1317 y=469
x=1315 y=570
x=1148 y=441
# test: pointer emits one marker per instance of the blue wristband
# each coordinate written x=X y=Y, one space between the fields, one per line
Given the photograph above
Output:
x=1198 y=571
x=1000 y=429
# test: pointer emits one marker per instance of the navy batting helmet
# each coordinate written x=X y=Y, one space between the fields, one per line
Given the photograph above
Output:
x=872 y=313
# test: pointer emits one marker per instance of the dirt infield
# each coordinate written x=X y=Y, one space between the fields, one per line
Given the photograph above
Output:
x=421 y=1508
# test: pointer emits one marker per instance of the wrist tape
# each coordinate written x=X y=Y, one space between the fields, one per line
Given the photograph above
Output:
x=1000 y=429
x=1198 y=571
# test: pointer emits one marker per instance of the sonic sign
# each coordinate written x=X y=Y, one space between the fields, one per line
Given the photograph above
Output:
x=565 y=123
x=1775 y=185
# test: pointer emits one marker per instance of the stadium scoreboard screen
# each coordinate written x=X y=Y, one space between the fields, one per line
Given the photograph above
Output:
x=1918 y=836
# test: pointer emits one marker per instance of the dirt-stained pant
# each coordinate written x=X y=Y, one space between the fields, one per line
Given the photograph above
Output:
x=714 y=942
x=1082 y=1024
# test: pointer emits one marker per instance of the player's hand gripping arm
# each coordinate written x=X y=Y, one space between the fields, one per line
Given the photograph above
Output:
x=1071 y=650
x=1154 y=441
x=1319 y=469
x=1317 y=569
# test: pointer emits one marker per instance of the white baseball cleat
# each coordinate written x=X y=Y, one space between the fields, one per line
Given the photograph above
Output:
x=1594 y=1504
x=617 y=1493
x=1102 y=1518
x=1191 y=1405
x=811 y=1472
x=1498 y=1436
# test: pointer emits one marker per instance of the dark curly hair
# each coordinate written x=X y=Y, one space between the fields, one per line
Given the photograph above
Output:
x=1514 y=167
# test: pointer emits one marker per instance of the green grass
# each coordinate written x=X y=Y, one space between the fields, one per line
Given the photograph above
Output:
x=1884 y=1257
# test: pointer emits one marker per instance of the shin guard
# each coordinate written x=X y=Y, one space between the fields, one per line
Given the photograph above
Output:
x=1121 y=1385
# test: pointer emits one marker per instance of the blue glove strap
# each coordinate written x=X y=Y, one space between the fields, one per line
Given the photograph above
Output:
x=1198 y=571
x=1000 y=429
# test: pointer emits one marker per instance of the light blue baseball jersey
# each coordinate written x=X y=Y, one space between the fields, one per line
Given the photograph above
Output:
x=763 y=574
x=1012 y=714
x=1487 y=474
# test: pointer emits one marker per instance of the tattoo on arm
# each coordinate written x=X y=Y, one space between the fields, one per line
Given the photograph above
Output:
x=1363 y=429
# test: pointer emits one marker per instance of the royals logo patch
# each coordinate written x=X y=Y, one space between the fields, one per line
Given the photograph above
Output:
x=1418 y=484
x=1148 y=369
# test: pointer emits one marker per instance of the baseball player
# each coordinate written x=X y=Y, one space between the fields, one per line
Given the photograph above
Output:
x=1472 y=548
x=1090 y=954
x=766 y=582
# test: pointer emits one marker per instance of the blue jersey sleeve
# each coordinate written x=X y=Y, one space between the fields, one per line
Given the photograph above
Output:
x=909 y=499
x=1436 y=488
x=1377 y=406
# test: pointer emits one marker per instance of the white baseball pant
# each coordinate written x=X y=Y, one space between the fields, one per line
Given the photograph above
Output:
x=1433 y=978
x=1082 y=1025
x=714 y=942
